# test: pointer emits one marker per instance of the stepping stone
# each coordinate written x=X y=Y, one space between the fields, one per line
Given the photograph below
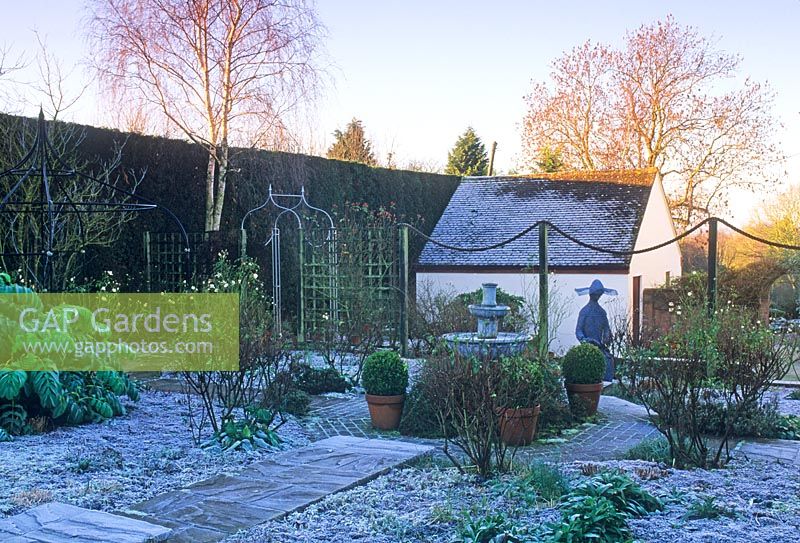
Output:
x=211 y=510
x=59 y=522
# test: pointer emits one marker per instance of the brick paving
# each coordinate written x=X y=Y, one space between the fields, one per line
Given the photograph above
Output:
x=622 y=426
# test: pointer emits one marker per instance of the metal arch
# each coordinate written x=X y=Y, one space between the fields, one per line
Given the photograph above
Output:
x=274 y=239
x=43 y=162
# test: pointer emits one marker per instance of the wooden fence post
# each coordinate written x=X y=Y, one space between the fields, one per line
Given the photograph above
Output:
x=711 y=290
x=544 y=296
x=403 y=256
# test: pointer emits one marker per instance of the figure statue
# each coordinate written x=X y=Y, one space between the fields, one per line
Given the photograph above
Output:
x=593 y=326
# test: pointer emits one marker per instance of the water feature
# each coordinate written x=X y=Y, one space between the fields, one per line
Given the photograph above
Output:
x=488 y=341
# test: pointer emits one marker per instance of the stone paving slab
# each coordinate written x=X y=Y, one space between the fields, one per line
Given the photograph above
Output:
x=211 y=510
x=779 y=450
x=59 y=522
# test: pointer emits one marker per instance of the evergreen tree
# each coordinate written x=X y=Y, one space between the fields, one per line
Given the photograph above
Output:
x=352 y=145
x=549 y=160
x=468 y=156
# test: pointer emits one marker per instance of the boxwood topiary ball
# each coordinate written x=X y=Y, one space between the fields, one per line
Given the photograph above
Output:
x=385 y=374
x=583 y=364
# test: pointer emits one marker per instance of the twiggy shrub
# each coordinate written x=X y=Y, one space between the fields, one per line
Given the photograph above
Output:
x=706 y=372
x=465 y=392
x=243 y=405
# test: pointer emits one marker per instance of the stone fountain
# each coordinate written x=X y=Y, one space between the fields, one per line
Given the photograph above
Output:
x=487 y=341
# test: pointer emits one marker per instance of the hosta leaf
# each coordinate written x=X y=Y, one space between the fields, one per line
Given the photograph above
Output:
x=101 y=407
x=132 y=391
x=75 y=412
x=115 y=404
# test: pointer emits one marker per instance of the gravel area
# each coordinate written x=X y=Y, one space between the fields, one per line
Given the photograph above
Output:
x=428 y=503
x=120 y=461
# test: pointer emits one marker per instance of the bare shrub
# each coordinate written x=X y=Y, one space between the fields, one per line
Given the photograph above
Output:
x=727 y=359
x=467 y=397
x=465 y=390
x=264 y=377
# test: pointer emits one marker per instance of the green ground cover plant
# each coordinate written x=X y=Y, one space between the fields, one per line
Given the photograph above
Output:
x=651 y=450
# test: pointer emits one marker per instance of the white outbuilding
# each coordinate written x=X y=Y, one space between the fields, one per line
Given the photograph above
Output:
x=619 y=210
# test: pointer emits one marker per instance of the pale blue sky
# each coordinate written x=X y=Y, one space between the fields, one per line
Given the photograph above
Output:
x=418 y=72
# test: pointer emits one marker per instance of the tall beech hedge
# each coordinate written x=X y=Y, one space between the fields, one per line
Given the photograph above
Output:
x=175 y=178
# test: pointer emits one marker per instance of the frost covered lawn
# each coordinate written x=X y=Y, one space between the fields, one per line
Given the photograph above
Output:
x=118 y=462
x=751 y=501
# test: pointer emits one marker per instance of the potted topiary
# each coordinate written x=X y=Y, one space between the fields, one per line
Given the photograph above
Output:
x=583 y=367
x=385 y=378
x=521 y=386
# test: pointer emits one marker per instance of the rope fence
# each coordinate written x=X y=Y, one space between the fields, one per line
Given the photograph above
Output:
x=597 y=248
x=543 y=227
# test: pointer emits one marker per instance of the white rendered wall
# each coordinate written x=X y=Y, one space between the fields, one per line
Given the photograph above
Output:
x=657 y=227
x=563 y=298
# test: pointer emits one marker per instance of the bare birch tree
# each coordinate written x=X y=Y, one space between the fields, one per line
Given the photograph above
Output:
x=224 y=72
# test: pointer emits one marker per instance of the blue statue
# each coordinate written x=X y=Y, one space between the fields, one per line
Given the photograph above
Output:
x=593 y=326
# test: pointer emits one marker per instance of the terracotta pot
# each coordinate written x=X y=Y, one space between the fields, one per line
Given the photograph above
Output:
x=385 y=411
x=583 y=399
x=518 y=426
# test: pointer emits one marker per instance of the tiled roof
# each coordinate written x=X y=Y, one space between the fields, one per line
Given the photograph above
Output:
x=600 y=208
x=644 y=177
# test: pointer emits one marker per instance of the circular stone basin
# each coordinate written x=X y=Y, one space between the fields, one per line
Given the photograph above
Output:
x=471 y=344
x=489 y=311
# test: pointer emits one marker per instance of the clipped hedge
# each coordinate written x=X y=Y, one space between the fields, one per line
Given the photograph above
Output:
x=175 y=178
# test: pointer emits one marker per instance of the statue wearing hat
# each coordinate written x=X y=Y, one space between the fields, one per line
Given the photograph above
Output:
x=593 y=326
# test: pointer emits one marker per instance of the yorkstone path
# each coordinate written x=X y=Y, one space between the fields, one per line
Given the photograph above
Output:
x=59 y=522
x=211 y=510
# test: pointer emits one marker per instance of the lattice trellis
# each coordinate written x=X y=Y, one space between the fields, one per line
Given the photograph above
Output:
x=168 y=265
x=365 y=276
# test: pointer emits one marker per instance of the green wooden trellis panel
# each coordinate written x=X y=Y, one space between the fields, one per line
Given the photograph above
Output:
x=353 y=275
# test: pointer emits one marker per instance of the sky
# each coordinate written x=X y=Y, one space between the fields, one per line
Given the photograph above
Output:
x=417 y=72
